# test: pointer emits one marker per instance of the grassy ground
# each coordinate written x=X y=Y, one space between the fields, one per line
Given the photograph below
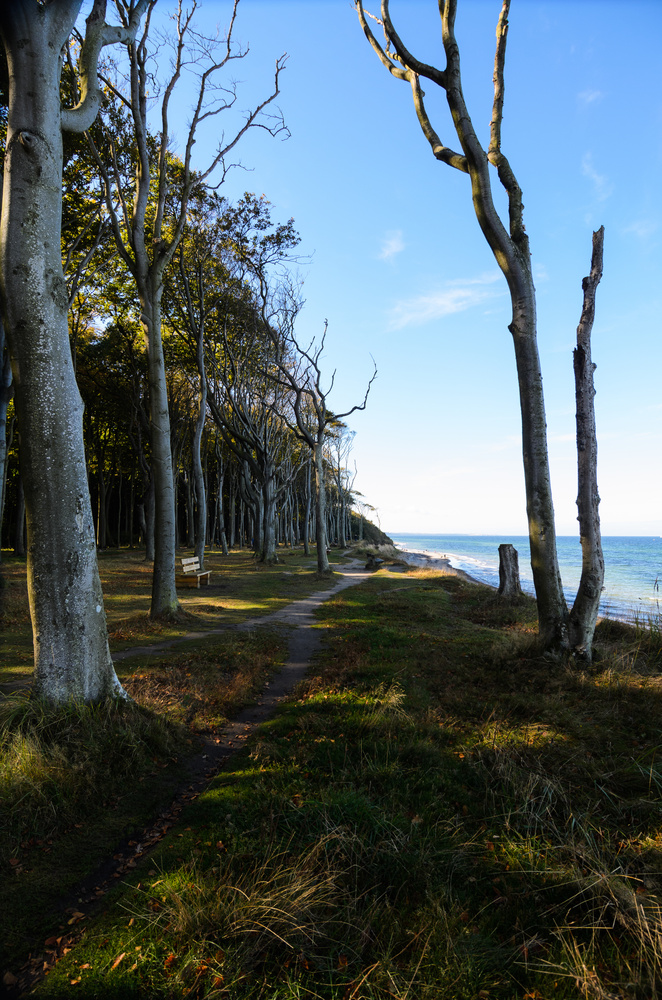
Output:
x=437 y=813
x=74 y=784
x=241 y=589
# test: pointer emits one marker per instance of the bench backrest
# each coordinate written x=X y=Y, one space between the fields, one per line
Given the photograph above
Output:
x=190 y=564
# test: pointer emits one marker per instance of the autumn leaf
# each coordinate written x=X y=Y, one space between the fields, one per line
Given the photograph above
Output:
x=342 y=962
x=169 y=962
x=118 y=960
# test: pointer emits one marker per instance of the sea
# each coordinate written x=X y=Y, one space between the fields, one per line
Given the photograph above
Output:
x=633 y=566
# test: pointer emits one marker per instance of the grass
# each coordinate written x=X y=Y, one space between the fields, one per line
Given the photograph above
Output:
x=76 y=782
x=439 y=812
x=241 y=589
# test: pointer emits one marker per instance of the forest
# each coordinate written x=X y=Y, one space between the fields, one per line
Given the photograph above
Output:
x=204 y=421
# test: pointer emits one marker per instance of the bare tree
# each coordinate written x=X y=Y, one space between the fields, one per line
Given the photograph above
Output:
x=72 y=659
x=148 y=224
x=248 y=406
x=510 y=246
x=584 y=614
x=312 y=418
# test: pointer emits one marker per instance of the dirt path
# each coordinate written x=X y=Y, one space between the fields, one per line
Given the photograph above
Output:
x=303 y=641
x=298 y=613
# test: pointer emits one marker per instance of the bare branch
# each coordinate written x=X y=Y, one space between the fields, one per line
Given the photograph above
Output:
x=97 y=35
x=437 y=76
x=397 y=71
x=499 y=89
x=440 y=151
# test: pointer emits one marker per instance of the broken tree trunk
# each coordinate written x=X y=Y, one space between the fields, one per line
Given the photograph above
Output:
x=509 y=585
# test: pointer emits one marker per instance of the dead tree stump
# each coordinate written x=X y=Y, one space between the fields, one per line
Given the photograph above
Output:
x=509 y=585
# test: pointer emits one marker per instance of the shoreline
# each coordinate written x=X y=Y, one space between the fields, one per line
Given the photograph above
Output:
x=420 y=560
x=624 y=607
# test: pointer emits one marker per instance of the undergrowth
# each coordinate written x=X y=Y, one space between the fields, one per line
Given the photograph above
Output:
x=58 y=765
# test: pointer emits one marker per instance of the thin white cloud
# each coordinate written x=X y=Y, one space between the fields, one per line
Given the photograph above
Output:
x=456 y=296
x=590 y=96
x=392 y=244
x=642 y=228
x=601 y=185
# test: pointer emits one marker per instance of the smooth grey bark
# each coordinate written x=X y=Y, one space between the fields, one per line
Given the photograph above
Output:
x=320 y=507
x=6 y=393
x=306 y=516
x=509 y=582
x=72 y=659
x=511 y=252
x=584 y=614
x=198 y=475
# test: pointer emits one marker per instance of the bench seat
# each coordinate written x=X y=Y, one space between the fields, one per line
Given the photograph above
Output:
x=191 y=574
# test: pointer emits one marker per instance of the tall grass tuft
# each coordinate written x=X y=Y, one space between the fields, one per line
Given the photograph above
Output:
x=57 y=764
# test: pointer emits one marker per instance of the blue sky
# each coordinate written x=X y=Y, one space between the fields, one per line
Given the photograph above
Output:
x=402 y=273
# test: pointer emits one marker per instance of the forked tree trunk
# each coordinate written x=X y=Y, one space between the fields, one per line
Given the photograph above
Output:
x=510 y=248
x=584 y=614
x=72 y=659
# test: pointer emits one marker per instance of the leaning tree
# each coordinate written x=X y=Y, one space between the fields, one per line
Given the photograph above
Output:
x=509 y=244
x=72 y=658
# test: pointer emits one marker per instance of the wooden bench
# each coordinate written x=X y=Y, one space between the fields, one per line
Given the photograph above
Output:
x=191 y=574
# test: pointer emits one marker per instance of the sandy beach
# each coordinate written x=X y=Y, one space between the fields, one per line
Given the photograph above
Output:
x=421 y=560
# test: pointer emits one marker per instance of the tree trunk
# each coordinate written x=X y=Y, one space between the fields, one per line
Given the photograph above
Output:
x=201 y=510
x=19 y=524
x=119 y=512
x=233 y=517
x=149 y=521
x=101 y=504
x=190 y=515
x=268 y=547
x=6 y=392
x=509 y=585
x=72 y=659
x=164 y=592
x=306 y=517
x=322 y=557
x=584 y=614
x=512 y=254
